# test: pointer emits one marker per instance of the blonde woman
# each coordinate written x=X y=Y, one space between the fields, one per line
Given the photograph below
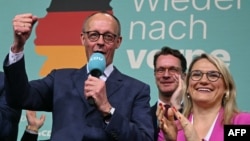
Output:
x=209 y=103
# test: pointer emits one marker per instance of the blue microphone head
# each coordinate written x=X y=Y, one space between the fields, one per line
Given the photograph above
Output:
x=97 y=64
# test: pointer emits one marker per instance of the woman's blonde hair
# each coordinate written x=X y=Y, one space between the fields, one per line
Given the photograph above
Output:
x=228 y=102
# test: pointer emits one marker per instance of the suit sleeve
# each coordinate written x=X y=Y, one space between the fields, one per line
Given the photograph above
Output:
x=9 y=117
x=16 y=82
x=23 y=93
x=29 y=137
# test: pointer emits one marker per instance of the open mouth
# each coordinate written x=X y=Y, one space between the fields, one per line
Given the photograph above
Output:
x=204 y=90
x=99 y=52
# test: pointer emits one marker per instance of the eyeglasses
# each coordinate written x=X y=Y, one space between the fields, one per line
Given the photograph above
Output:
x=212 y=76
x=94 y=36
x=171 y=70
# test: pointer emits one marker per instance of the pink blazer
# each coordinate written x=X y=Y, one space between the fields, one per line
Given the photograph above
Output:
x=218 y=131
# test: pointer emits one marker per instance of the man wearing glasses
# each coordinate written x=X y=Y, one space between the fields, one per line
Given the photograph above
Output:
x=169 y=71
x=121 y=111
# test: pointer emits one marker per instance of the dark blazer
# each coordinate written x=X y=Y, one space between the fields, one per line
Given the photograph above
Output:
x=154 y=118
x=9 y=117
x=61 y=92
x=30 y=137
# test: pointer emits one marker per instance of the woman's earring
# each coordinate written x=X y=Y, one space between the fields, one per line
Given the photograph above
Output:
x=227 y=95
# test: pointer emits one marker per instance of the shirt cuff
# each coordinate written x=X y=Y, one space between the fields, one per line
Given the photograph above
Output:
x=14 y=57
x=31 y=132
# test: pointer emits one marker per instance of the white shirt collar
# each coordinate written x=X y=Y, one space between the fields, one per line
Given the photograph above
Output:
x=107 y=71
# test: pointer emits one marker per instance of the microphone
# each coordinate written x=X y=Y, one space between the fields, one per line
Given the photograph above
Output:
x=96 y=66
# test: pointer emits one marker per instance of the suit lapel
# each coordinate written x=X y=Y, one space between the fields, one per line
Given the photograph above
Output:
x=114 y=82
x=218 y=131
x=153 y=112
x=79 y=78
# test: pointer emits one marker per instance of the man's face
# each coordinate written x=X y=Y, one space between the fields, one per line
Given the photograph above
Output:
x=101 y=24
x=166 y=74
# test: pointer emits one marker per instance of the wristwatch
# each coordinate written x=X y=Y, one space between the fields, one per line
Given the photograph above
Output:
x=108 y=117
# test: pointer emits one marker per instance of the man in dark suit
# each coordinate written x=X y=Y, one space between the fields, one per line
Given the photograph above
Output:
x=121 y=111
x=169 y=71
x=9 y=117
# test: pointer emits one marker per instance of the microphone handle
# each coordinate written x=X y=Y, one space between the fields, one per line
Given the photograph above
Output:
x=96 y=73
x=91 y=101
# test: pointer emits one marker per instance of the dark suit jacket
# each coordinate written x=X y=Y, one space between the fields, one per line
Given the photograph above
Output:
x=9 y=117
x=154 y=118
x=61 y=92
x=30 y=137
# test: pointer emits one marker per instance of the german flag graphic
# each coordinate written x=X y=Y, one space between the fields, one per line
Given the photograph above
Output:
x=58 y=33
